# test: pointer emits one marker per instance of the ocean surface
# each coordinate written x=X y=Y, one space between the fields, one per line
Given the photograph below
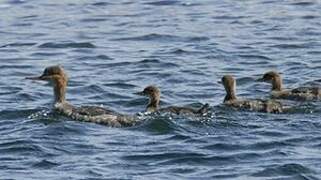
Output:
x=112 y=49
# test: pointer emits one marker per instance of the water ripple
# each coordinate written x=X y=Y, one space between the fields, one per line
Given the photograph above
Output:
x=67 y=45
x=284 y=170
x=163 y=3
x=18 y=44
x=112 y=49
x=162 y=38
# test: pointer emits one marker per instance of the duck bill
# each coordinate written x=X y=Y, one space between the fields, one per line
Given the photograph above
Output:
x=141 y=93
x=260 y=80
x=36 y=78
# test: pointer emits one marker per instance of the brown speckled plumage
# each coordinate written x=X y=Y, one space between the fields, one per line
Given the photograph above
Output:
x=59 y=79
x=154 y=98
x=231 y=100
x=300 y=94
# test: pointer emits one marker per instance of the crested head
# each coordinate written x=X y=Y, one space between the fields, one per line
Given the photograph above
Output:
x=58 y=77
x=151 y=91
x=53 y=72
x=154 y=97
x=273 y=77
x=229 y=84
x=228 y=81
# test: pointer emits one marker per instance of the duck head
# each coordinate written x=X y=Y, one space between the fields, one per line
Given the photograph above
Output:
x=58 y=78
x=274 y=78
x=229 y=84
x=154 y=97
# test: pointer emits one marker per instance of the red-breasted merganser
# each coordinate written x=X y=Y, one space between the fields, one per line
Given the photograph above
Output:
x=154 y=98
x=300 y=94
x=270 y=106
x=59 y=79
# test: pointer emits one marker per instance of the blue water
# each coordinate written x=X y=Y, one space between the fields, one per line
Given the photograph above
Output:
x=112 y=49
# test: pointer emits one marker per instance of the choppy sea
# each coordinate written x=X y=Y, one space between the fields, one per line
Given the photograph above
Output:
x=111 y=49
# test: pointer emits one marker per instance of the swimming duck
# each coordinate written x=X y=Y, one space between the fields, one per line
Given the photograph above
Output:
x=154 y=98
x=58 y=78
x=301 y=93
x=230 y=99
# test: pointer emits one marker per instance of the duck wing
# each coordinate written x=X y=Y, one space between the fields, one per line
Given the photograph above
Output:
x=185 y=110
x=96 y=114
x=204 y=109
x=259 y=105
x=307 y=90
x=177 y=110
x=94 y=111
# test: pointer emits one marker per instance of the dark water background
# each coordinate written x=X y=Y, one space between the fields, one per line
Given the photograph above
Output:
x=114 y=48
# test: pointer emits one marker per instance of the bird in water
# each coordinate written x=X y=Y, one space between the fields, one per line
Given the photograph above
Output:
x=269 y=106
x=154 y=98
x=300 y=93
x=58 y=78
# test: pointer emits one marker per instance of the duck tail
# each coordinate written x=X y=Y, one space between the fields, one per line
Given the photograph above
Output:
x=203 y=109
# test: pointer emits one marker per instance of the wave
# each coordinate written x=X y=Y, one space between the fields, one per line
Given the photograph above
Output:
x=291 y=46
x=163 y=38
x=17 y=45
x=67 y=45
x=163 y=3
x=290 y=169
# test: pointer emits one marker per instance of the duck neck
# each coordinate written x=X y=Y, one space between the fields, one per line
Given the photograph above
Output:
x=230 y=97
x=60 y=90
x=277 y=84
x=153 y=104
x=230 y=94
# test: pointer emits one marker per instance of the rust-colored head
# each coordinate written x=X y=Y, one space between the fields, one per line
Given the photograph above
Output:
x=154 y=97
x=228 y=82
x=274 y=78
x=52 y=73
x=150 y=91
x=58 y=77
x=270 y=76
